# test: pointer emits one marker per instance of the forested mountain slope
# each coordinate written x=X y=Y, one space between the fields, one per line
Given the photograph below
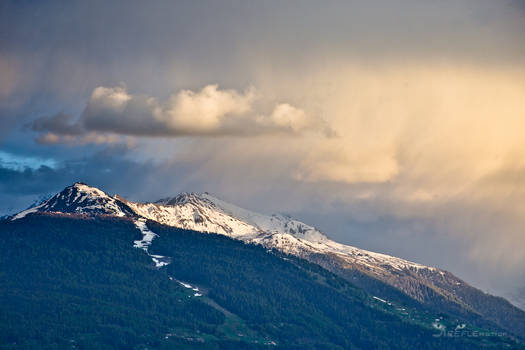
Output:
x=77 y=281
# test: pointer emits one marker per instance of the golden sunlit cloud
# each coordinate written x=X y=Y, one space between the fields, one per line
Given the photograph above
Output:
x=428 y=141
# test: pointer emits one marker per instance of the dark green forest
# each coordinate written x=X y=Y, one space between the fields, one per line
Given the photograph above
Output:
x=78 y=283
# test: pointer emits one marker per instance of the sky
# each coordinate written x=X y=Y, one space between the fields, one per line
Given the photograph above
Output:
x=391 y=125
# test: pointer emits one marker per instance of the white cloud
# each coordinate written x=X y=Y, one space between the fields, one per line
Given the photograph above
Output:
x=211 y=111
x=208 y=110
x=288 y=117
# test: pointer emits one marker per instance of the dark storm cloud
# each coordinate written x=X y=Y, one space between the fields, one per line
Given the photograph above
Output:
x=61 y=123
x=110 y=169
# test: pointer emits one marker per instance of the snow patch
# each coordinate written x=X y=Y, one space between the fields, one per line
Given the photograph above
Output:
x=147 y=235
x=145 y=242
x=185 y=285
x=23 y=214
x=193 y=288
x=381 y=300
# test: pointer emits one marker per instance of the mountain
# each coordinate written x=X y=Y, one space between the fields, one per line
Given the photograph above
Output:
x=80 y=199
x=387 y=278
x=435 y=288
x=86 y=282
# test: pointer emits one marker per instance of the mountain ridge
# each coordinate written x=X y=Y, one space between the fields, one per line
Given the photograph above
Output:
x=435 y=288
x=191 y=210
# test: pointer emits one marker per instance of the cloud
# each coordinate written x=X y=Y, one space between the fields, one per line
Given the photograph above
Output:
x=63 y=128
x=50 y=138
x=287 y=118
x=61 y=124
x=211 y=111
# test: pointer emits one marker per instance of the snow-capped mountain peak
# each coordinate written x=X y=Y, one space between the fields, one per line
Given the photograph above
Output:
x=208 y=214
x=211 y=214
x=194 y=212
x=80 y=198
